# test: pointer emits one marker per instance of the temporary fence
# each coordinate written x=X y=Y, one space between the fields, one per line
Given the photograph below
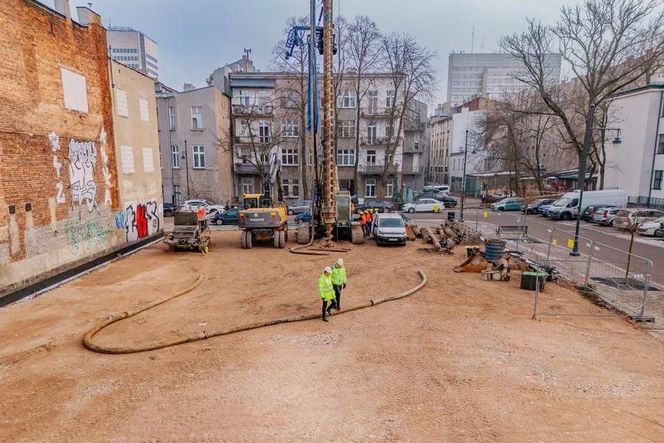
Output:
x=613 y=276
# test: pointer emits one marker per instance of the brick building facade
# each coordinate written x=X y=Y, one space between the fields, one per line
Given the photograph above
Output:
x=58 y=173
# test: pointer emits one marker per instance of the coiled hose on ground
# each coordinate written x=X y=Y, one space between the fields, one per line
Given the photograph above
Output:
x=89 y=343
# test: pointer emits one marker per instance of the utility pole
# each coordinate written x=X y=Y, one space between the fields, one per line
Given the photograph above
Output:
x=186 y=166
x=463 y=180
x=328 y=121
x=582 y=174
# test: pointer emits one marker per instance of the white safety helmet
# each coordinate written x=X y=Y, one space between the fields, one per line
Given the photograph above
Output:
x=327 y=270
x=340 y=262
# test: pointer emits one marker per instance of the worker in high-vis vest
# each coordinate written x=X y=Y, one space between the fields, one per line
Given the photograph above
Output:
x=363 y=221
x=338 y=281
x=326 y=291
x=369 y=220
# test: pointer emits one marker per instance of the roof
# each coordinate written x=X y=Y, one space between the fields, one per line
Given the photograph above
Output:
x=654 y=87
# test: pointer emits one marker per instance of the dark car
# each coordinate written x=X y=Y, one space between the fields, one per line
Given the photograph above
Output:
x=379 y=205
x=304 y=217
x=450 y=202
x=533 y=207
x=169 y=209
x=230 y=217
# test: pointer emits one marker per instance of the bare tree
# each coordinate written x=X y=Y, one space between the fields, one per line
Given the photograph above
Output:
x=608 y=44
x=291 y=94
x=364 y=48
x=411 y=75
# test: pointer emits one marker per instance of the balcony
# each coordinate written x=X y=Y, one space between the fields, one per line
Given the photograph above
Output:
x=245 y=168
x=412 y=170
x=247 y=141
x=375 y=169
x=377 y=113
x=413 y=149
x=377 y=141
x=252 y=110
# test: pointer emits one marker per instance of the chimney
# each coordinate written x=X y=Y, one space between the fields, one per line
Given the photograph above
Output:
x=188 y=87
x=62 y=6
x=87 y=16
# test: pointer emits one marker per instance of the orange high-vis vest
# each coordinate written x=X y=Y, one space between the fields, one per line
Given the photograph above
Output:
x=363 y=219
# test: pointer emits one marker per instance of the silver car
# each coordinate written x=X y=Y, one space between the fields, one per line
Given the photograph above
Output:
x=605 y=216
x=631 y=217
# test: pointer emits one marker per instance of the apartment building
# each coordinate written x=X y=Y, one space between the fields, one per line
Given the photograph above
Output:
x=637 y=163
x=268 y=127
x=441 y=140
x=137 y=150
x=489 y=75
x=194 y=144
x=133 y=49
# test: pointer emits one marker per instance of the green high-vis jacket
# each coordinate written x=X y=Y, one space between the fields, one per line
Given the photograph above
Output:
x=338 y=275
x=325 y=289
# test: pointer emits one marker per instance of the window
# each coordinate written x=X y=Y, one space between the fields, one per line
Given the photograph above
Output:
x=199 y=157
x=346 y=100
x=247 y=184
x=660 y=144
x=121 y=103
x=263 y=132
x=290 y=128
x=171 y=117
x=347 y=128
x=177 y=199
x=370 y=188
x=657 y=182
x=148 y=160
x=389 y=190
x=371 y=133
x=127 y=159
x=389 y=130
x=346 y=157
x=390 y=99
x=175 y=156
x=74 y=91
x=373 y=103
x=291 y=187
x=290 y=157
x=371 y=157
x=196 y=117
x=245 y=98
x=143 y=109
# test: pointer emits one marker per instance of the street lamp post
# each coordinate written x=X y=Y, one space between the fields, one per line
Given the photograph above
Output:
x=463 y=179
x=185 y=157
x=582 y=174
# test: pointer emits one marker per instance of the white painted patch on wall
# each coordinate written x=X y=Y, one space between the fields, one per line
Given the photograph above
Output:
x=121 y=106
x=127 y=159
x=74 y=90
x=54 y=140
x=148 y=160
x=104 y=168
x=145 y=111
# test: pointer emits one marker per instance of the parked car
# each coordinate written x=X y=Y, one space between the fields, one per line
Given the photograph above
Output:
x=230 y=217
x=450 y=202
x=605 y=216
x=626 y=218
x=376 y=205
x=211 y=210
x=304 y=217
x=437 y=188
x=567 y=207
x=653 y=228
x=299 y=206
x=590 y=212
x=389 y=228
x=544 y=210
x=424 y=205
x=194 y=204
x=168 y=209
x=533 y=207
x=508 y=204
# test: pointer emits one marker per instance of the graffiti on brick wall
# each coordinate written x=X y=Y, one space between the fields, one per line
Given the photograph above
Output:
x=57 y=165
x=104 y=167
x=86 y=234
x=139 y=221
x=82 y=162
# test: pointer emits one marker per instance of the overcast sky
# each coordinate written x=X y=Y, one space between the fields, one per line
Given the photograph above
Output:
x=196 y=36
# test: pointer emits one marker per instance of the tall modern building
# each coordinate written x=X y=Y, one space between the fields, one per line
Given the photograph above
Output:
x=133 y=49
x=488 y=75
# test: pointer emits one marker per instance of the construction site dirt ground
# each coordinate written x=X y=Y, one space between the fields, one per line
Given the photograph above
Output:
x=460 y=360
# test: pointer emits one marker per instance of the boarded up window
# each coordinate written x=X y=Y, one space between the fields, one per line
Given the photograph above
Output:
x=143 y=107
x=74 y=91
x=148 y=160
x=121 y=106
x=127 y=159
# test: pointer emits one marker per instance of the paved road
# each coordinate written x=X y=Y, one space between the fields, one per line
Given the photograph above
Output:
x=538 y=227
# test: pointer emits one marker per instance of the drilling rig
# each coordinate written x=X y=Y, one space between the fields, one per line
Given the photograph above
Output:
x=332 y=208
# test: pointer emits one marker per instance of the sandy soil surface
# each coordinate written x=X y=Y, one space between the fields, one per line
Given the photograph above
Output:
x=460 y=360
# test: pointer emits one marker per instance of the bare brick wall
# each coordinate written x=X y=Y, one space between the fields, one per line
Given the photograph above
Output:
x=58 y=173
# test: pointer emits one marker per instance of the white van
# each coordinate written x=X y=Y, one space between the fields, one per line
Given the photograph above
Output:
x=567 y=207
x=438 y=188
